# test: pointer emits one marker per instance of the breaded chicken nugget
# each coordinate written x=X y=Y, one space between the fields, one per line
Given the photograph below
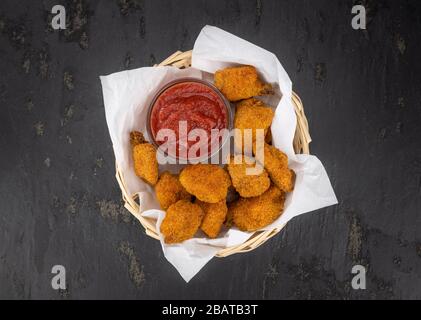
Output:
x=208 y=182
x=276 y=164
x=169 y=190
x=251 y=114
x=145 y=162
x=181 y=221
x=240 y=83
x=136 y=138
x=252 y=214
x=248 y=183
x=215 y=214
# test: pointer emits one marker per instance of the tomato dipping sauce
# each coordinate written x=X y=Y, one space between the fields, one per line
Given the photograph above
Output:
x=186 y=105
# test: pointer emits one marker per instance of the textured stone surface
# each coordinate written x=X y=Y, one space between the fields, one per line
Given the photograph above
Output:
x=60 y=203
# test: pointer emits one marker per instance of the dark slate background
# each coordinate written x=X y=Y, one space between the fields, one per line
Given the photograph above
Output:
x=60 y=203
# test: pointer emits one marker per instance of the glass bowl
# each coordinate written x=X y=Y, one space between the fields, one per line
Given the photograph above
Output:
x=177 y=158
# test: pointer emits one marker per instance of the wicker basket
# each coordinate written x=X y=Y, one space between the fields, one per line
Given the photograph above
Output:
x=301 y=143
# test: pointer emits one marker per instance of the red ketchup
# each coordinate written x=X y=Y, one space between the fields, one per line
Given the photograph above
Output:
x=186 y=106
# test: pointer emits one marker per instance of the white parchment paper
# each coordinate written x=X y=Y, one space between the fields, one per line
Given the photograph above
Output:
x=127 y=95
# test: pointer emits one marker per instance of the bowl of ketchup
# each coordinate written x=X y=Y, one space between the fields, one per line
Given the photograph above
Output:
x=189 y=119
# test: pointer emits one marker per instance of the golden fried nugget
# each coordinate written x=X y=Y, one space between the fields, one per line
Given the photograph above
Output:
x=248 y=183
x=181 y=221
x=207 y=182
x=251 y=114
x=240 y=83
x=251 y=214
x=136 y=138
x=215 y=214
x=169 y=190
x=145 y=162
x=276 y=164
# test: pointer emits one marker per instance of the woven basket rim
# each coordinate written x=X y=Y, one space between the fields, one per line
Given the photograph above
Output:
x=301 y=143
